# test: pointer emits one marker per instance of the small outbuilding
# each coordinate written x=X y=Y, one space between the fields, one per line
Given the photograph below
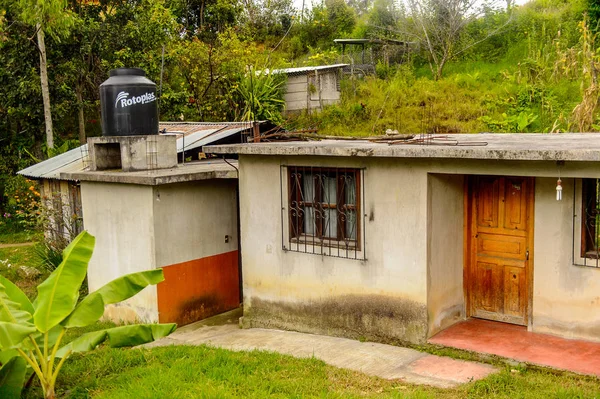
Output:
x=311 y=88
x=400 y=241
x=155 y=213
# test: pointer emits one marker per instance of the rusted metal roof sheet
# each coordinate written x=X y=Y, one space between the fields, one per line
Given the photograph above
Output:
x=192 y=135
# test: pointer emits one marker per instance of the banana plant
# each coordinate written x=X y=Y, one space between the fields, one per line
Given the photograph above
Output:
x=31 y=334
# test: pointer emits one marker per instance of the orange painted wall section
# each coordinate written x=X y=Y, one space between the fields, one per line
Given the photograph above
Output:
x=198 y=289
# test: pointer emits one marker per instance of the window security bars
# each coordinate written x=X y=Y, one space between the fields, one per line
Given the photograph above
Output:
x=590 y=221
x=323 y=211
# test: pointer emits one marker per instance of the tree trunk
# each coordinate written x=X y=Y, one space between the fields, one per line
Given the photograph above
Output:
x=81 y=117
x=45 y=88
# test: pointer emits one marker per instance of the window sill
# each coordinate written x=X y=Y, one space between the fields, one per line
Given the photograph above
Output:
x=591 y=255
x=315 y=241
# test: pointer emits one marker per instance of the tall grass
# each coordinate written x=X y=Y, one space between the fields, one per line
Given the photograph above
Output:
x=532 y=80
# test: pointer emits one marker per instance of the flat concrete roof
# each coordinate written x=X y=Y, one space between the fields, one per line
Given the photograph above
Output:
x=498 y=146
x=192 y=171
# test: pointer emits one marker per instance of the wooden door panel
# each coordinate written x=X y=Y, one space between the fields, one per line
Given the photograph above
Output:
x=487 y=202
x=514 y=291
x=501 y=230
x=501 y=246
x=498 y=274
x=515 y=203
x=489 y=284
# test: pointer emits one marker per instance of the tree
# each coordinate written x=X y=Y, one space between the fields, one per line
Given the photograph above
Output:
x=341 y=16
x=107 y=35
x=31 y=333
x=265 y=19
x=593 y=10
x=361 y=7
x=384 y=14
x=439 y=27
x=52 y=17
x=205 y=18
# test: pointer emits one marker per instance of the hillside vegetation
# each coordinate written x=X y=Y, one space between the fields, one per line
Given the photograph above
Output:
x=536 y=75
x=491 y=67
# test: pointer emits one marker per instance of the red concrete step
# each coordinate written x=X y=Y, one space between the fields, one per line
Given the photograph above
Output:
x=515 y=342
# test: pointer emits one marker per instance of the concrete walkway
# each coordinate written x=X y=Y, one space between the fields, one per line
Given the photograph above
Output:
x=20 y=244
x=515 y=342
x=385 y=361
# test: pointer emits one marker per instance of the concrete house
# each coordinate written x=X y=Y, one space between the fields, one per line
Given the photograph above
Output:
x=311 y=88
x=398 y=242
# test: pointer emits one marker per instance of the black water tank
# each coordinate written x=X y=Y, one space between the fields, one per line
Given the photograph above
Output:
x=129 y=103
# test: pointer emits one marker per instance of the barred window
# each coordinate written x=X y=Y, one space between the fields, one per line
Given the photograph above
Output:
x=324 y=209
x=590 y=218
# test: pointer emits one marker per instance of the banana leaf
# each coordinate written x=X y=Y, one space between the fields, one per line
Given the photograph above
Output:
x=6 y=355
x=117 y=337
x=12 y=334
x=10 y=310
x=15 y=294
x=57 y=296
x=12 y=378
x=91 y=308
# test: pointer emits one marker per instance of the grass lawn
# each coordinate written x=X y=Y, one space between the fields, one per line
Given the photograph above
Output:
x=12 y=258
x=204 y=372
x=22 y=236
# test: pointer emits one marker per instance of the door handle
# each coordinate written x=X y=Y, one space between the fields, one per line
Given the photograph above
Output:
x=527 y=255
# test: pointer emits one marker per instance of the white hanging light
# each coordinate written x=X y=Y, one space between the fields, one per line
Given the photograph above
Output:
x=559 y=190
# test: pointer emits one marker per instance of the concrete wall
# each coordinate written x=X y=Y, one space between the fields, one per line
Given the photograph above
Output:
x=445 y=295
x=382 y=298
x=410 y=285
x=325 y=91
x=566 y=297
x=188 y=229
x=120 y=216
x=197 y=245
x=132 y=153
x=192 y=220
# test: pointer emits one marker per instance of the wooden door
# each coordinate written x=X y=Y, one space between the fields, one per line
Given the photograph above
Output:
x=500 y=247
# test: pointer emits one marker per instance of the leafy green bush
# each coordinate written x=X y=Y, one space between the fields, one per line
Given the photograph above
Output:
x=23 y=203
x=31 y=333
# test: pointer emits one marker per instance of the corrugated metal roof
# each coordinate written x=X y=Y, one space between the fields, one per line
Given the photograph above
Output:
x=371 y=41
x=70 y=161
x=303 y=70
x=193 y=134
x=216 y=136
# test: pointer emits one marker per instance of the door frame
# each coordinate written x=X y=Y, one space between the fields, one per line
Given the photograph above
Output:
x=469 y=254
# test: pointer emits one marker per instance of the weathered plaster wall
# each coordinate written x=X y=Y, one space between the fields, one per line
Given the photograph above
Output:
x=299 y=96
x=197 y=244
x=407 y=288
x=381 y=298
x=445 y=295
x=120 y=217
x=566 y=297
x=192 y=220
